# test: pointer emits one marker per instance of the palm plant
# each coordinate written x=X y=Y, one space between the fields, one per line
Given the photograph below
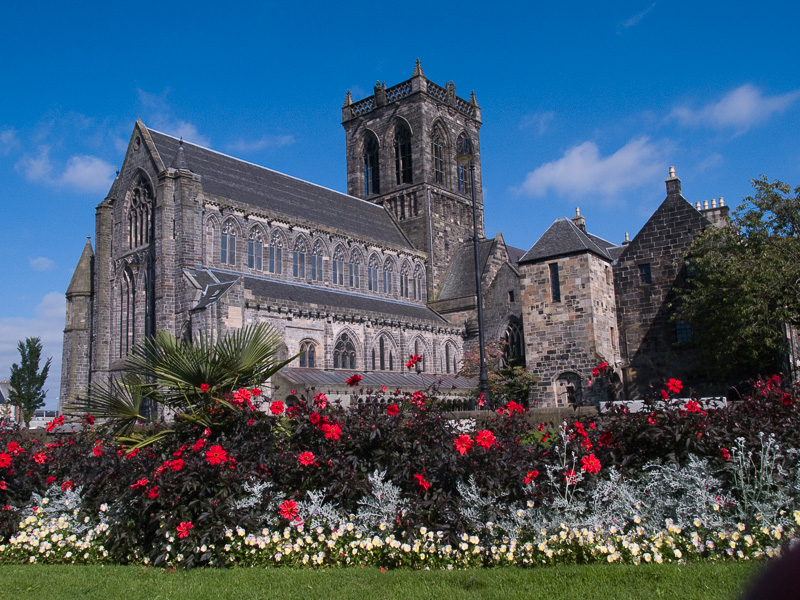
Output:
x=189 y=381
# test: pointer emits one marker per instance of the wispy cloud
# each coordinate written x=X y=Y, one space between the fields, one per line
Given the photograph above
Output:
x=41 y=263
x=8 y=141
x=266 y=141
x=47 y=323
x=82 y=173
x=634 y=20
x=739 y=109
x=159 y=115
x=538 y=121
x=583 y=171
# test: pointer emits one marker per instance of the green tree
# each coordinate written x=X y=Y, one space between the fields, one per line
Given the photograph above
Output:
x=743 y=287
x=27 y=381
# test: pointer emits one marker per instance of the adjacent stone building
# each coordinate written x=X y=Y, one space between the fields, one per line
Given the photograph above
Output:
x=195 y=242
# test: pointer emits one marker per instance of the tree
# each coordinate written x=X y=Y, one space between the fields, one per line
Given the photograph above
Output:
x=743 y=285
x=27 y=381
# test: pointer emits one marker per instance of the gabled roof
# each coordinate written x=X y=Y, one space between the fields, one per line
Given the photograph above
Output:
x=215 y=283
x=460 y=279
x=81 y=282
x=279 y=194
x=562 y=238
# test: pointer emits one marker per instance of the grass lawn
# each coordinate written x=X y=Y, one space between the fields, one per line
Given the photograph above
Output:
x=696 y=581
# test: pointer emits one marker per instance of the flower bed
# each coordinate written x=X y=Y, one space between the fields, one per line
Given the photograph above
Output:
x=402 y=484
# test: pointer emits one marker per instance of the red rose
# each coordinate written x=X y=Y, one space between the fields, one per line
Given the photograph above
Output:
x=392 y=410
x=354 y=380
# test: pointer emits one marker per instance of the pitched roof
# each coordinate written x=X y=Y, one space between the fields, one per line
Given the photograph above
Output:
x=283 y=195
x=460 y=279
x=81 y=282
x=215 y=282
x=391 y=379
x=563 y=237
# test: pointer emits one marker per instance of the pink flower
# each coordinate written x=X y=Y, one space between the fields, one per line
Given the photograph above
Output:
x=216 y=455
x=288 y=509
x=485 y=439
x=320 y=401
x=306 y=458
x=183 y=529
x=424 y=484
x=354 y=380
x=463 y=444
x=726 y=454
x=674 y=386
x=590 y=464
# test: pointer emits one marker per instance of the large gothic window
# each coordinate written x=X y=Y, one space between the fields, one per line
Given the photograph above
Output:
x=227 y=250
x=514 y=345
x=402 y=154
x=338 y=266
x=383 y=359
x=355 y=270
x=299 y=259
x=464 y=179
x=417 y=284
x=372 y=275
x=139 y=215
x=344 y=353
x=388 y=276
x=371 y=171
x=255 y=251
x=404 y=281
x=316 y=262
x=437 y=150
x=127 y=312
x=275 y=253
x=308 y=354
x=450 y=360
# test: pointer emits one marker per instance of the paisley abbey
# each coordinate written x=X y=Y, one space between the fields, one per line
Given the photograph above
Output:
x=198 y=243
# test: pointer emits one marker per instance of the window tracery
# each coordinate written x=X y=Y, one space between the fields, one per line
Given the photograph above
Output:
x=308 y=354
x=438 y=152
x=276 y=253
x=344 y=353
x=140 y=204
x=255 y=251
x=316 y=261
x=227 y=255
x=299 y=258
x=402 y=154
x=371 y=170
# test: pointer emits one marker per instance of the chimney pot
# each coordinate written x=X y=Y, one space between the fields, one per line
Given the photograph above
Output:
x=705 y=204
x=672 y=171
x=697 y=205
x=721 y=201
x=713 y=203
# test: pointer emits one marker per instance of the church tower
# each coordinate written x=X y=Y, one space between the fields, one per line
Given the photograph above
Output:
x=401 y=148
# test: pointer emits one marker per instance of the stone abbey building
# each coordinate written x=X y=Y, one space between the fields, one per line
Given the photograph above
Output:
x=195 y=242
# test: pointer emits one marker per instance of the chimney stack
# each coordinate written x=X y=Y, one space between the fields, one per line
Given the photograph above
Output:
x=579 y=221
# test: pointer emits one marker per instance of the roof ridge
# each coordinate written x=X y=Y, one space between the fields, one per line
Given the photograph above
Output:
x=247 y=162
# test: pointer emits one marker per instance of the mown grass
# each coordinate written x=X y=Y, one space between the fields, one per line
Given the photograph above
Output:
x=696 y=581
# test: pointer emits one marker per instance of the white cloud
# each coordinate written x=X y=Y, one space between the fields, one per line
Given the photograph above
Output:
x=266 y=141
x=583 y=171
x=159 y=113
x=88 y=174
x=711 y=161
x=41 y=263
x=8 y=141
x=539 y=121
x=634 y=20
x=82 y=173
x=739 y=109
x=36 y=168
x=46 y=323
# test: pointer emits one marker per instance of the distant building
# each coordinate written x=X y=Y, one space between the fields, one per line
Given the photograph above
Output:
x=8 y=412
x=195 y=242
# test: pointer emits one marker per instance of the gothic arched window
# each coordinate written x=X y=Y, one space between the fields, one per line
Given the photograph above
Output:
x=275 y=253
x=404 y=281
x=355 y=270
x=450 y=360
x=402 y=153
x=127 y=312
x=464 y=180
x=227 y=254
x=514 y=345
x=388 y=275
x=139 y=214
x=299 y=259
x=338 y=267
x=371 y=171
x=419 y=351
x=437 y=150
x=255 y=250
x=344 y=353
x=316 y=262
x=308 y=354
x=372 y=274
x=417 y=283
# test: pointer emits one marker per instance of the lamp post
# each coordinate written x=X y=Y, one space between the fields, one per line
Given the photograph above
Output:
x=465 y=159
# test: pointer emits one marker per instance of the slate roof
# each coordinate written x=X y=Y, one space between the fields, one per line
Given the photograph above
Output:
x=563 y=237
x=215 y=282
x=460 y=279
x=391 y=379
x=274 y=192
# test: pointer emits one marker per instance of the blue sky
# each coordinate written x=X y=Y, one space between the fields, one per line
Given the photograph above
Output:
x=584 y=104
